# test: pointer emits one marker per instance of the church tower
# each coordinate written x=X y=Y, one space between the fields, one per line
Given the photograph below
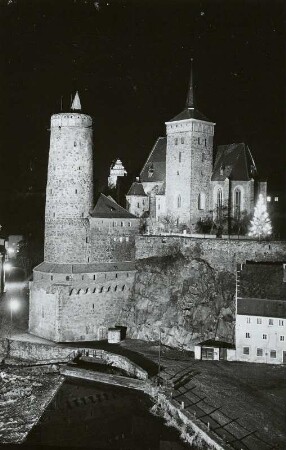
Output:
x=189 y=158
x=69 y=193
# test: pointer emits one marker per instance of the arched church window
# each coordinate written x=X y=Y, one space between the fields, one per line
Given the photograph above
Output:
x=219 y=198
x=179 y=201
x=237 y=202
x=202 y=201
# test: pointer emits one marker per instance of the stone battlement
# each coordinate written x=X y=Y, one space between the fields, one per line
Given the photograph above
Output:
x=71 y=120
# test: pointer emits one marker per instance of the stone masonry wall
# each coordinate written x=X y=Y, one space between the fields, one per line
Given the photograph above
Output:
x=223 y=254
x=188 y=168
x=69 y=192
x=78 y=311
x=113 y=239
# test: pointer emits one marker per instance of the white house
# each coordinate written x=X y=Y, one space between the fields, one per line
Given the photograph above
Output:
x=261 y=313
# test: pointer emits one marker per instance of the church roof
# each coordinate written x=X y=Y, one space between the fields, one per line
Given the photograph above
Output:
x=137 y=189
x=155 y=166
x=106 y=208
x=234 y=161
x=190 y=113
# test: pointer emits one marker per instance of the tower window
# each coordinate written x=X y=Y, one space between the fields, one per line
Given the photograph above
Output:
x=247 y=335
x=179 y=201
x=203 y=157
x=205 y=142
x=138 y=205
x=74 y=144
x=182 y=140
x=76 y=191
x=199 y=141
x=176 y=141
x=201 y=201
x=180 y=157
x=219 y=198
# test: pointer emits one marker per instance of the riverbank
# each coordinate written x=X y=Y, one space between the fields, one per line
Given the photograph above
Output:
x=24 y=395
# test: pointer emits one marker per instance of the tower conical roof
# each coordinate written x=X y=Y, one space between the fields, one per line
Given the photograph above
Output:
x=76 y=102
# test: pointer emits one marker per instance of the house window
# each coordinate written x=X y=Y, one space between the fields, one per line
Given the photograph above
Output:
x=74 y=144
x=199 y=141
x=138 y=205
x=259 y=320
x=67 y=278
x=178 y=173
x=93 y=306
x=182 y=140
x=205 y=142
x=179 y=201
x=259 y=352
x=246 y=350
x=268 y=198
x=276 y=199
x=281 y=323
x=202 y=201
x=180 y=157
x=120 y=239
x=76 y=191
x=158 y=206
x=282 y=338
x=272 y=353
x=248 y=320
x=94 y=277
x=43 y=313
x=264 y=336
x=247 y=335
x=122 y=224
x=270 y=321
x=176 y=141
x=52 y=277
x=127 y=238
x=129 y=224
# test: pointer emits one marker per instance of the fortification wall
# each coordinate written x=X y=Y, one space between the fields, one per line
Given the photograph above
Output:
x=222 y=254
x=78 y=311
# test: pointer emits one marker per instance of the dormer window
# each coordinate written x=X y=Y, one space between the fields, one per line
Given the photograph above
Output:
x=150 y=171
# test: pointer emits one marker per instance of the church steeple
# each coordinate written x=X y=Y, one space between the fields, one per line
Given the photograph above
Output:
x=76 y=103
x=190 y=103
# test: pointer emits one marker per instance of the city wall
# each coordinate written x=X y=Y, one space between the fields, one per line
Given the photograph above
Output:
x=221 y=254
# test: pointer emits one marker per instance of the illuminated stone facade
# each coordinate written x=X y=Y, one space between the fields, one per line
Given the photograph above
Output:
x=80 y=289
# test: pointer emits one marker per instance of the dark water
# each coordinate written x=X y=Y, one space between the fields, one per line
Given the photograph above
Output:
x=86 y=414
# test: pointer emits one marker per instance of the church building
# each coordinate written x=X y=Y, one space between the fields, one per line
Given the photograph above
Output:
x=182 y=180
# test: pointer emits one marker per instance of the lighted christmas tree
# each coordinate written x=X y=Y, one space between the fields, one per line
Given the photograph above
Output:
x=260 y=225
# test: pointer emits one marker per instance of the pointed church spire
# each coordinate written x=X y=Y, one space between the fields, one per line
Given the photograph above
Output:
x=76 y=102
x=190 y=98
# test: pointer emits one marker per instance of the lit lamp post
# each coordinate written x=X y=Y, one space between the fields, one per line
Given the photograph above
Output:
x=14 y=305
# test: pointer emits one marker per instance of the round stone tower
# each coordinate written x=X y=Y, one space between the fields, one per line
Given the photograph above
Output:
x=69 y=193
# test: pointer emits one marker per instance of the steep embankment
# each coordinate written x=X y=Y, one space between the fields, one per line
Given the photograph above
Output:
x=184 y=297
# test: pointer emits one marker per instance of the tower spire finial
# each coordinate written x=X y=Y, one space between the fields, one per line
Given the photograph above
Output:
x=76 y=102
x=190 y=97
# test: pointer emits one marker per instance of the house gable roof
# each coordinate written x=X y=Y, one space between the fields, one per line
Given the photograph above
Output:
x=108 y=208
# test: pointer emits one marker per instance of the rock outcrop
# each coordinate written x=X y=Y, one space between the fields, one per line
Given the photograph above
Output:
x=183 y=297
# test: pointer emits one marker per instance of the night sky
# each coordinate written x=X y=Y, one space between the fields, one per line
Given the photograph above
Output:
x=130 y=62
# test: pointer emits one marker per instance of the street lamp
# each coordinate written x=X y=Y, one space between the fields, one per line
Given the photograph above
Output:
x=14 y=305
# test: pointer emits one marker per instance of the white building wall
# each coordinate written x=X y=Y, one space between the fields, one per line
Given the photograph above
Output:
x=137 y=204
x=262 y=335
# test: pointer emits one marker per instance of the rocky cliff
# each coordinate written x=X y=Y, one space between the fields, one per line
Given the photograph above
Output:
x=184 y=297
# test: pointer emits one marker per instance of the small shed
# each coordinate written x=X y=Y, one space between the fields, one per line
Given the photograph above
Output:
x=114 y=335
x=215 y=350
